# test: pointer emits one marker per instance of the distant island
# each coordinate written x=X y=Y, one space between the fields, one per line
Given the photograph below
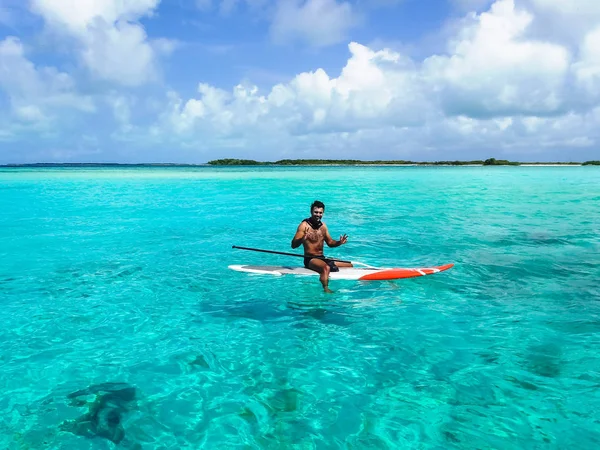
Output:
x=314 y=162
x=347 y=162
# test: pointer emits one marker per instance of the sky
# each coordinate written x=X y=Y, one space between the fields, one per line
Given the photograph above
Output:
x=188 y=81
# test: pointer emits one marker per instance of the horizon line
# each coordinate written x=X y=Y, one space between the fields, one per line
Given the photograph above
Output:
x=291 y=163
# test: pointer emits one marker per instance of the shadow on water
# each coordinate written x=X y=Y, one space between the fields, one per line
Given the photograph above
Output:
x=346 y=305
x=545 y=360
x=260 y=309
x=104 y=418
x=534 y=238
x=341 y=308
x=266 y=310
x=324 y=312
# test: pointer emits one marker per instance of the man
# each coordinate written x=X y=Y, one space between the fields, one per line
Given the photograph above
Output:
x=312 y=233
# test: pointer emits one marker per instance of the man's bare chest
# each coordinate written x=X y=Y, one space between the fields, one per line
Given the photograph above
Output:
x=315 y=236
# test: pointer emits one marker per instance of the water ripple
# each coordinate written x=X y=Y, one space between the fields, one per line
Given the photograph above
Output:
x=123 y=327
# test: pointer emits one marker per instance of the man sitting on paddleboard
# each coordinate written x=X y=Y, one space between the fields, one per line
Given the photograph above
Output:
x=313 y=233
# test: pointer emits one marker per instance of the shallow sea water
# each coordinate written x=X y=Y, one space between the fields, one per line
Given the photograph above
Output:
x=122 y=326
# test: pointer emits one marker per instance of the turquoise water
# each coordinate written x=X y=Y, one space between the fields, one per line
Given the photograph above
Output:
x=123 y=328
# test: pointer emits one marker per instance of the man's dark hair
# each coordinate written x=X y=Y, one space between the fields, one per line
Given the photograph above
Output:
x=317 y=204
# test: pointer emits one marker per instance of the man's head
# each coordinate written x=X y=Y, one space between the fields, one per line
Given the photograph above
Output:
x=316 y=210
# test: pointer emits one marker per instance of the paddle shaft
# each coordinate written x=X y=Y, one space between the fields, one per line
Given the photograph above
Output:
x=289 y=254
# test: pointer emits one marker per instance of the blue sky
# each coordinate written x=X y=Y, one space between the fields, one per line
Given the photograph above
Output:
x=194 y=80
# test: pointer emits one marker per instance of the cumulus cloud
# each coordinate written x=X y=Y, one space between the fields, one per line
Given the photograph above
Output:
x=496 y=86
x=493 y=70
x=35 y=94
x=585 y=12
x=113 y=45
x=78 y=15
x=564 y=22
x=374 y=89
x=121 y=106
x=506 y=81
x=587 y=69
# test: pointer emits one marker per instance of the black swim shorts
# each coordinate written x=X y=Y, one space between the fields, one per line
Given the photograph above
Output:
x=329 y=262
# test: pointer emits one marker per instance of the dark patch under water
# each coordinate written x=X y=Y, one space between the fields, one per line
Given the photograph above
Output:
x=530 y=238
x=545 y=360
x=104 y=418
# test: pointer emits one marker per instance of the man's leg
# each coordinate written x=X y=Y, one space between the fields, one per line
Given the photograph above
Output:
x=334 y=266
x=343 y=264
x=321 y=266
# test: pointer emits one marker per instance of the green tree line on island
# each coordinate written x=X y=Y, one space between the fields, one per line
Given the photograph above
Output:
x=305 y=162
x=312 y=162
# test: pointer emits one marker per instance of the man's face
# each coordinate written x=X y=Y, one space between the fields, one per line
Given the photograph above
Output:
x=317 y=213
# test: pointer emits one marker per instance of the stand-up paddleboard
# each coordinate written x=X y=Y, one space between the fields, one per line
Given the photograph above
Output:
x=365 y=273
x=346 y=273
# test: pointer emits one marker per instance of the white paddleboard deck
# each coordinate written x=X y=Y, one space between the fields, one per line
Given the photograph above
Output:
x=345 y=273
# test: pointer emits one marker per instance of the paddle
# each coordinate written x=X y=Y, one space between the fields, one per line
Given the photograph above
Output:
x=288 y=254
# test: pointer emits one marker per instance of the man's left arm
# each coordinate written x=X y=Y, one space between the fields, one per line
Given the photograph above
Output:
x=332 y=242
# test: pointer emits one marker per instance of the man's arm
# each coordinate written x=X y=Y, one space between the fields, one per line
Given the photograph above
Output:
x=332 y=242
x=300 y=235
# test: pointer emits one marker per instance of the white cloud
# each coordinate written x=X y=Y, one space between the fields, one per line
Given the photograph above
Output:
x=120 y=53
x=493 y=70
x=587 y=69
x=564 y=22
x=366 y=95
x=506 y=82
x=166 y=46
x=580 y=9
x=121 y=106
x=78 y=15
x=36 y=93
x=496 y=88
x=113 y=45
x=318 y=22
